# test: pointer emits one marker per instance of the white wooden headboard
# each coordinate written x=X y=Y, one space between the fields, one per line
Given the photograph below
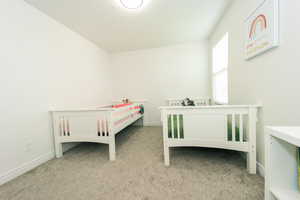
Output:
x=199 y=101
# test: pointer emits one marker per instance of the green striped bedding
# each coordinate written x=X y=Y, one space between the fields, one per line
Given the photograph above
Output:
x=175 y=123
x=237 y=133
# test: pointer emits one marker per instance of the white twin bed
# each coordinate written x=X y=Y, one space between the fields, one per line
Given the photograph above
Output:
x=226 y=127
x=203 y=125
x=98 y=125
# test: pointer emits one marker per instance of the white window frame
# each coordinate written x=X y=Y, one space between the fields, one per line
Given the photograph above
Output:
x=214 y=74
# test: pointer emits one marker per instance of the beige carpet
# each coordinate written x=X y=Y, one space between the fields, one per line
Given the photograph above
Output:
x=138 y=174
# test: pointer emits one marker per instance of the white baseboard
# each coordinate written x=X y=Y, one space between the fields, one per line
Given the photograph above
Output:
x=14 y=173
x=260 y=169
x=152 y=123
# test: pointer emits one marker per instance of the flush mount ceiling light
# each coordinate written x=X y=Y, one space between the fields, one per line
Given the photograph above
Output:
x=132 y=4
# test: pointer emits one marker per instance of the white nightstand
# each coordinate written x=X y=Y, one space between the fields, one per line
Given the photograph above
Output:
x=281 y=178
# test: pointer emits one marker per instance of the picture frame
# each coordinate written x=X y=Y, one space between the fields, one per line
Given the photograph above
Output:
x=262 y=29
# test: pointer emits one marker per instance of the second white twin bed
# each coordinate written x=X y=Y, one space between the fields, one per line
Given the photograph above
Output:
x=227 y=127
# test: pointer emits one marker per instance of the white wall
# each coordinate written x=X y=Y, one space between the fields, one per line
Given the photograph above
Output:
x=43 y=65
x=272 y=78
x=161 y=73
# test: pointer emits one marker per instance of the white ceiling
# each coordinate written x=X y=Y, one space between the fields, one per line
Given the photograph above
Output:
x=159 y=23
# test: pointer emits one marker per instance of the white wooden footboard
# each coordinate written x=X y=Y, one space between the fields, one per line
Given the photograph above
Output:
x=226 y=127
x=92 y=125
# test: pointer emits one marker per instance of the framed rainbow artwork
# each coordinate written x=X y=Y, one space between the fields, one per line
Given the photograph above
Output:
x=262 y=29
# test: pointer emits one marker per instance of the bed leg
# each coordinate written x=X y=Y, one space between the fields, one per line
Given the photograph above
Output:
x=251 y=162
x=112 y=149
x=167 y=155
x=58 y=150
x=142 y=121
x=251 y=158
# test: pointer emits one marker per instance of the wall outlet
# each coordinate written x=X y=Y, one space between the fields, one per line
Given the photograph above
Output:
x=28 y=146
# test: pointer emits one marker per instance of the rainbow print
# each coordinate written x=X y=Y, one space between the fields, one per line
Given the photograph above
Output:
x=262 y=29
x=261 y=22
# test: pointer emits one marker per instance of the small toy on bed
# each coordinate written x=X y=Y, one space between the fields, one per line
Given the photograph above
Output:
x=188 y=102
x=125 y=100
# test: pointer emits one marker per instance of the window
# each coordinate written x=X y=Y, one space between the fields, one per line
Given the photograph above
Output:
x=220 y=71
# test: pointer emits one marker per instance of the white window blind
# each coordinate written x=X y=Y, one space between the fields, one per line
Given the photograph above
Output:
x=220 y=71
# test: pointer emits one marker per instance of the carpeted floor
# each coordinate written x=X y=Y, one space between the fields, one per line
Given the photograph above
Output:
x=138 y=174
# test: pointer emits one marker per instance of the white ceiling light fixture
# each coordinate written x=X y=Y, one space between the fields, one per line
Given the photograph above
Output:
x=132 y=4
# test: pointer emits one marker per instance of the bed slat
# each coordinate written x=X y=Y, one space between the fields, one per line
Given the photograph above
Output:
x=98 y=127
x=107 y=128
x=233 y=127
x=241 y=129
x=60 y=127
x=172 y=126
x=101 y=128
x=68 y=128
x=64 y=127
x=178 y=127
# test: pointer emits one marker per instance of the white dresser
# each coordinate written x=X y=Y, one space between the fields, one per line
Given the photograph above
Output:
x=281 y=180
